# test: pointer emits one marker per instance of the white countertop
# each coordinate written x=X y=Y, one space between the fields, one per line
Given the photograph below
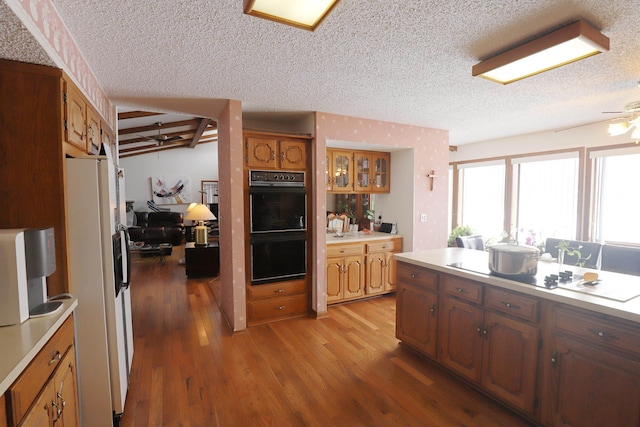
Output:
x=359 y=237
x=438 y=259
x=19 y=344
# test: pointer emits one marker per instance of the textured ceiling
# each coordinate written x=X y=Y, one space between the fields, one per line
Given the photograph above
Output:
x=396 y=60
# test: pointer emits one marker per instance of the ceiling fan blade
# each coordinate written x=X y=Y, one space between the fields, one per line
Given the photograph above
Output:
x=173 y=138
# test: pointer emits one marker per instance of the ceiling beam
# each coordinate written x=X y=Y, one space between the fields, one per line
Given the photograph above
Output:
x=148 y=128
x=204 y=122
x=136 y=114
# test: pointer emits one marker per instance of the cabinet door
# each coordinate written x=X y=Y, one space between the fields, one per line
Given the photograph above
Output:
x=65 y=410
x=509 y=360
x=593 y=387
x=261 y=153
x=391 y=272
x=354 y=277
x=293 y=155
x=75 y=116
x=416 y=318
x=41 y=414
x=363 y=163
x=381 y=173
x=461 y=338
x=342 y=170
x=106 y=136
x=376 y=272
x=328 y=171
x=335 y=269
x=93 y=131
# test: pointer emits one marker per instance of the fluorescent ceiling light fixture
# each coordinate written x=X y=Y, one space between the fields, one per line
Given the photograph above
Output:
x=568 y=44
x=305 y=14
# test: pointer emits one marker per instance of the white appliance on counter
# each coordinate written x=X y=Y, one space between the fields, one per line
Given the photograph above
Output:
x=99 y=274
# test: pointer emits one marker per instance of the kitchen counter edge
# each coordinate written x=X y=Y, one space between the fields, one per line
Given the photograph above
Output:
x=21 y=343
x=360 y=237
x=438 y=260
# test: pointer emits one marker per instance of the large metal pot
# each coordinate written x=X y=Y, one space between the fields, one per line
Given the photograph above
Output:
x=508 y=259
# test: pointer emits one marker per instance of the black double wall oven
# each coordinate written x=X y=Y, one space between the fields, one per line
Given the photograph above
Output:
x=278 y=224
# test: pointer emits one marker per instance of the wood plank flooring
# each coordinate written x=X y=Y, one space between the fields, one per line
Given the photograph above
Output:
x=344 y=370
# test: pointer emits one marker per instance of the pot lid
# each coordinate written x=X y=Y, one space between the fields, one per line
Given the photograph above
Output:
x=514 y=248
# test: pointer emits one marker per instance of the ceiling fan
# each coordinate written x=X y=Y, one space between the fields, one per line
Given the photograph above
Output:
x=631 y=121
x=160 y=139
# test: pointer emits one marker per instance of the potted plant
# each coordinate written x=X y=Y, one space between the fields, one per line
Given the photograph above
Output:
x=461 y=230
x=564 y=249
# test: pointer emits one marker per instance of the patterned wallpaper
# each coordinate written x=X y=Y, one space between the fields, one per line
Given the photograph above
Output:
x=430 y=152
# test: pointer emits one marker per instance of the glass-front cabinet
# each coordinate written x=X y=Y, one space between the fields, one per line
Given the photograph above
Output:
x=339 y=172
x=381 y=173
x=363 y=162
x=357 y=171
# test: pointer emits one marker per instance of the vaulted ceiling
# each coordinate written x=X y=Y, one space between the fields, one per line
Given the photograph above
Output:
x=396 y=60
x=141 y=132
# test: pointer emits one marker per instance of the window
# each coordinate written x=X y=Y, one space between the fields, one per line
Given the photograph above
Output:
x=547 y=197
x=482 y=197
x=616 y=173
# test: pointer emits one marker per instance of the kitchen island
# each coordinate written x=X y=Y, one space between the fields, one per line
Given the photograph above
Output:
x=563 y=356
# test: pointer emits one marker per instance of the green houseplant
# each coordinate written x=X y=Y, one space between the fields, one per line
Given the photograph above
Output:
x=461 y=230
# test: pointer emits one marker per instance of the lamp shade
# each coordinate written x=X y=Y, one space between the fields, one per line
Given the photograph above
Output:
x=200 y=213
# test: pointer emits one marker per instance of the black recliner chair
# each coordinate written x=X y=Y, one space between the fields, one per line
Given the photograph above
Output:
x=470 y=242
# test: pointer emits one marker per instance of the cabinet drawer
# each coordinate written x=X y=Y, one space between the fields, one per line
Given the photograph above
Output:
x=274 y=308
x=345 y=249
x=462 y=288
x=385 y=246
x=595 y=329
x=517 y=305
x=25 y=389
x=417 y=276
x=274 y=290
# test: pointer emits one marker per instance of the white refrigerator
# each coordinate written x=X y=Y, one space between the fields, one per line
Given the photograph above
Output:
x=104 y=333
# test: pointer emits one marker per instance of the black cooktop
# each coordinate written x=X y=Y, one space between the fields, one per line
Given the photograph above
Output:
x=548 y=281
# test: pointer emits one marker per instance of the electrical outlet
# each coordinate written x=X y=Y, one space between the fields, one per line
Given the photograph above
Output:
x=423 y=217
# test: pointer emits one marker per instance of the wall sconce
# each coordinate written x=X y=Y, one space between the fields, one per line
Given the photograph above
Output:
x=307 y=14
x=568 y=44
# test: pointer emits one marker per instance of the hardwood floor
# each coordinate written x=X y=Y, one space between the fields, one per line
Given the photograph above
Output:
x=344 y=370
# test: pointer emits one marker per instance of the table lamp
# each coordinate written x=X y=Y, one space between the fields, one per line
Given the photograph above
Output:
x=200 y=213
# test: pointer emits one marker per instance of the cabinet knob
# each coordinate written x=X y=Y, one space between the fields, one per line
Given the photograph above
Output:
x=281 y=307
x=279 y=291
x=413 y=275
x=603 y=334
x=432 y=309
x=460 y=290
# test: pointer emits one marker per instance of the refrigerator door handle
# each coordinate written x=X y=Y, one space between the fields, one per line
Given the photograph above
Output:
x=126 y=280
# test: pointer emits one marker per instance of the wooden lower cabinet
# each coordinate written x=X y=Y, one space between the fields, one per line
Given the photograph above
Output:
x=417 y=308
x=275 y=301
x=509 y=360
x=487 y=347
x=46 y=393
x=345 y=278
x=356 y=270
x=594 y=373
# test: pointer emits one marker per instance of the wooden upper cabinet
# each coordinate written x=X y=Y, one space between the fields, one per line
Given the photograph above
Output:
x=363 y=163
x=293 y=155
x=381 y=166
x=106 y=136
x=75 y=118
x=261 y=153
x=341 y=171
x=357 y=171
x=271 y=153
x=93 y=131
